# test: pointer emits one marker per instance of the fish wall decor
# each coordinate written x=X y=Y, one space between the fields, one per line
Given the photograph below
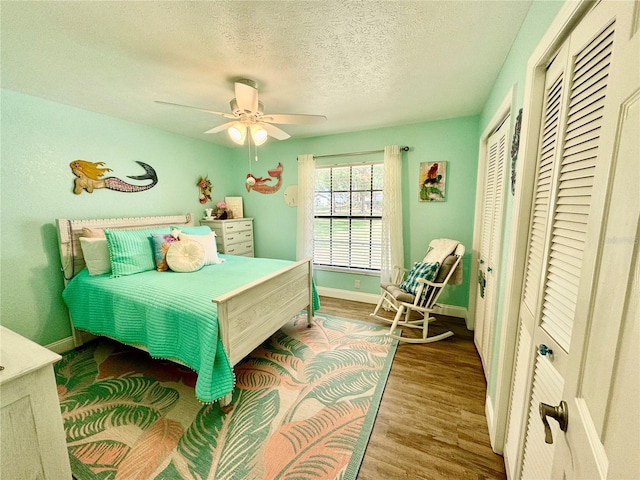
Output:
x=259 y=184
x=89 y=177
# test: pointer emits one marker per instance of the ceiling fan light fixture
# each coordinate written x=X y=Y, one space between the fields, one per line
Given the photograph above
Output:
x=258 y=134
x=237 y=132
x=247 y=116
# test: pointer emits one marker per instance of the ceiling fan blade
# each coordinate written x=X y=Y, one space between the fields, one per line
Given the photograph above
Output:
x=274 y=132
x=246 y=97
x=292 y=118
x=222 y=114
x=220 y=128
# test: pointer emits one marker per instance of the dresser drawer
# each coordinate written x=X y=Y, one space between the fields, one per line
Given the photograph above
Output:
x=243 y=248
x=236 y=226
x=237 y=237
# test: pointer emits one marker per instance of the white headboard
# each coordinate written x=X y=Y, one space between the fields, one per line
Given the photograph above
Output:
x=69 y=232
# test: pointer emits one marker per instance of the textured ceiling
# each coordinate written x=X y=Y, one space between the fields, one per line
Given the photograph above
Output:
x=362 y=64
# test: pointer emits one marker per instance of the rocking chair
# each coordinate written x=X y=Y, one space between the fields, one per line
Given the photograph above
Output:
x=421 y=289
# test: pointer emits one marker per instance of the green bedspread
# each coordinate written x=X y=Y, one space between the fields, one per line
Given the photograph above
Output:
x=169 y=313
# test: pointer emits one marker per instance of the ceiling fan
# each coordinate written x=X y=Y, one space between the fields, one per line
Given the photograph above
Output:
x=247 y=116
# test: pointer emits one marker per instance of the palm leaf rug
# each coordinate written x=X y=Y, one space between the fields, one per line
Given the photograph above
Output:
x=304 y=406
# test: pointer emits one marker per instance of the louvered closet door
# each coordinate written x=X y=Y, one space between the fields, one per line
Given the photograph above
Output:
x=491 y=235
x=537 y=455
x=568 y=167
x=601 y=380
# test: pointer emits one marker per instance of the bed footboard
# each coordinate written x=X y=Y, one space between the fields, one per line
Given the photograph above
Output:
x=249 y=315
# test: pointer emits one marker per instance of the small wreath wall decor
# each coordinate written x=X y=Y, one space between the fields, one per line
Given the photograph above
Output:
x=205 y=186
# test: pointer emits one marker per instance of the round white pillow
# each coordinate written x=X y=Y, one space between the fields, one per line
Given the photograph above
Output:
x=185 y=256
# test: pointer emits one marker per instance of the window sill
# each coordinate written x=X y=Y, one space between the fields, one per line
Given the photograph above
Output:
x=357 y=271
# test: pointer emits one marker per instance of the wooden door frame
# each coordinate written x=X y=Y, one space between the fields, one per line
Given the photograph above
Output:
x=506 y=108
x=563 y=24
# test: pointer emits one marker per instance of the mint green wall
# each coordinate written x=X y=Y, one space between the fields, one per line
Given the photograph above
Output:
x=513 y=74
x=38 y=141
x=454 y=141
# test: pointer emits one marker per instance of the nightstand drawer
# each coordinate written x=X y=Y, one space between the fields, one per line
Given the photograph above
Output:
x=244 y=248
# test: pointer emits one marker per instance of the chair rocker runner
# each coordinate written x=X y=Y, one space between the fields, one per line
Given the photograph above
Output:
x=421 y=289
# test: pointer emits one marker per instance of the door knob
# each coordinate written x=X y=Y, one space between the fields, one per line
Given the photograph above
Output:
x=559 y=413
x=544 y=350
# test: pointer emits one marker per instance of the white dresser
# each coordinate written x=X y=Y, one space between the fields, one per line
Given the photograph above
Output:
x=234 y=237
x=33 y=439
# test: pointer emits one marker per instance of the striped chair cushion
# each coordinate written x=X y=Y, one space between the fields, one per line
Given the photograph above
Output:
x=427 y=271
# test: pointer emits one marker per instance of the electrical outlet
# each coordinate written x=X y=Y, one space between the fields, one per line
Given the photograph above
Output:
x=356 y=284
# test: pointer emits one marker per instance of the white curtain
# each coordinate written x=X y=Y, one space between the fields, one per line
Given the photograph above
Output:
x=306 y=195
x=392 y=244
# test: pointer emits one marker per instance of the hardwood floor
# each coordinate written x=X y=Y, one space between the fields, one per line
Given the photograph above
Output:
x=431 y=422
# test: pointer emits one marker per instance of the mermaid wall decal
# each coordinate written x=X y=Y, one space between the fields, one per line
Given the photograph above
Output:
x=259 y=184
x=89 y=177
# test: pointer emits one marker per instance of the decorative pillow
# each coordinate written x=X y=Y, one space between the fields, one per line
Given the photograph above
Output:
x=445 y=268
x=185 y=256
x=198 y=230
x=427 y=271
x=93 y=232
x=96 y=255
x=131 y=251
x=161 y=245
x=208 y=243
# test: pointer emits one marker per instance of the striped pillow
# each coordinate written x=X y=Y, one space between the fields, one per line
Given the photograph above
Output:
x=427 y=271
x=132 y=251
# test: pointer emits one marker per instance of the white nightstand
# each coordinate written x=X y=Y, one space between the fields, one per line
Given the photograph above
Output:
x=34 y=444
x=234 y=237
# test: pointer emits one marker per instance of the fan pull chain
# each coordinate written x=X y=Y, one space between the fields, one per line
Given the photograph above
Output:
x=249 y=145
x=250 y=180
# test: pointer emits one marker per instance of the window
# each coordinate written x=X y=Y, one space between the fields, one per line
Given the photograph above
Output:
x=348 y=216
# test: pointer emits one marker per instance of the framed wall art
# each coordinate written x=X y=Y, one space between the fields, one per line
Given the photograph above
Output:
x=433 y=179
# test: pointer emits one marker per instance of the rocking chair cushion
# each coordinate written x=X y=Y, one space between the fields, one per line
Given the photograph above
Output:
x=426 y=271
x=397 y=293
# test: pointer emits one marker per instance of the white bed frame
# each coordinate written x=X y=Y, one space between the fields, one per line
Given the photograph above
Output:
x=247 y=316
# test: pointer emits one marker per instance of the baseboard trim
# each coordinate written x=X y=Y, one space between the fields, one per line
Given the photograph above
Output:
x=455 y=311
x=349 y=295
x=62 y=346
x=450 y=310
x=488 y=411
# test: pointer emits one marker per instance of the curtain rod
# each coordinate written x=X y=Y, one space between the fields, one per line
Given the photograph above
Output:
x=402 y=149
